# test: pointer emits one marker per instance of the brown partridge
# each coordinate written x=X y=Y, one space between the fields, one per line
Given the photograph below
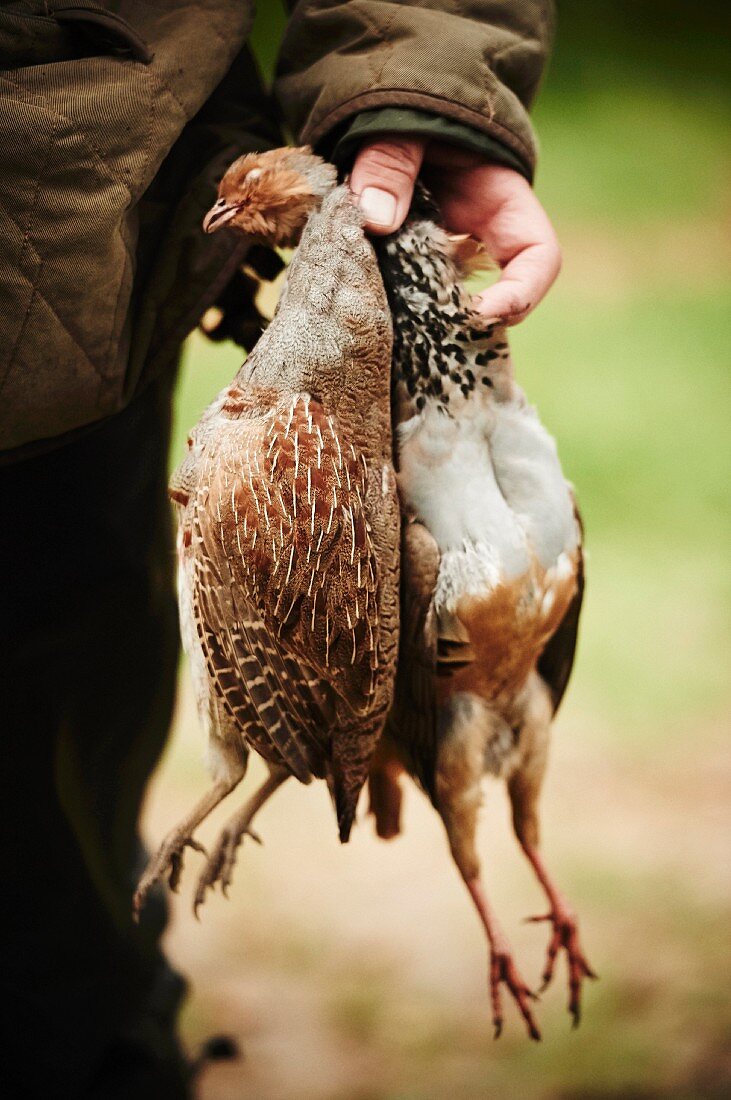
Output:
x=492 y=581
x=288 y=537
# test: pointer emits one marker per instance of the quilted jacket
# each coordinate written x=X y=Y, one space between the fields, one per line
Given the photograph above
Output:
x=116 y=121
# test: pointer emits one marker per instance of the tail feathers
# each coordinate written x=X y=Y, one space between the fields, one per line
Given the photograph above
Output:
x=351 y=759
x=346 y=802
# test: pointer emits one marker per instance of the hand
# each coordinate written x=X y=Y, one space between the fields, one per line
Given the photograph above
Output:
x=493 y=203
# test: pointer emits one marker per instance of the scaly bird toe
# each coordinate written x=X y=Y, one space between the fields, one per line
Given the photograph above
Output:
x=504 y=971
x=565 y=937
x=220 y=865
x=168 y=860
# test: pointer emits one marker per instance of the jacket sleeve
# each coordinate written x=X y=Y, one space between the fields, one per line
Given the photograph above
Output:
x=477 y=64
x=369 y=125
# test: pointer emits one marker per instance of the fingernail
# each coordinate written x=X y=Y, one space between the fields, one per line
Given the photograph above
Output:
x=378 y=207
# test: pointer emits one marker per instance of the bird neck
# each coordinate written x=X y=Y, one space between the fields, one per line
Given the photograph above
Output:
x=442 y=350
x=332 y=324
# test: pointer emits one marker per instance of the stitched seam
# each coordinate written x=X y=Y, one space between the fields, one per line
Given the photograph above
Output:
x=96 y=156
x=22 y=230
x=42 y=103
x=379 y=35
x=65 y=328
x=485 y=68
x=33 y=292
x=164 y=85
x=130 y=265
x=388 y=51
x=152 y=78
x=38 y=259
x=146 y=145
x=26 y=236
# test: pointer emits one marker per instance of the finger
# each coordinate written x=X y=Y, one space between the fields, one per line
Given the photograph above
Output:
x=525 y=281
x=383 y=178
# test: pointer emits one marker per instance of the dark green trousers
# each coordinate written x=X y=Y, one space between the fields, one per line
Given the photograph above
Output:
x=88 y=654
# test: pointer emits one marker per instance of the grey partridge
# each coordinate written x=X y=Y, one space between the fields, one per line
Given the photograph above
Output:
x=288 y=536
x=492 y=580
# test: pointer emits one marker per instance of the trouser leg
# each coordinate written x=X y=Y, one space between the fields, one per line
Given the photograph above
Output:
x=88 y=651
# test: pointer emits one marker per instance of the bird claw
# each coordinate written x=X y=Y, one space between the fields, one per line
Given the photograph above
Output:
x=565 y=937
x=503 y=971
x=220 y=865
x=167 y=861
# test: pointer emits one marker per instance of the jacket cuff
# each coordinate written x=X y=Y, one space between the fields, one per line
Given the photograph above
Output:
x=340 y=147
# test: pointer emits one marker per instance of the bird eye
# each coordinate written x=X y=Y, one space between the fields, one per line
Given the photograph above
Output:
x=253 y=174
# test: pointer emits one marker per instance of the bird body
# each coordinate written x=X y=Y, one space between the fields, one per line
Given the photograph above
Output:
x=479 y=472
x=492 y=570
x=485 y=481
x=288 y=537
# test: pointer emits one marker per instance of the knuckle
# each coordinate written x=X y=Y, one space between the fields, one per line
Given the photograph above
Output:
x=392 y=159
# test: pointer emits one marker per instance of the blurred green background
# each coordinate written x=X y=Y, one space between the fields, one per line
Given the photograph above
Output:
x=361 y=973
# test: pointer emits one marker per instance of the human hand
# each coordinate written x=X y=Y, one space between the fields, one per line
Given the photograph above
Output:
x=492 y=203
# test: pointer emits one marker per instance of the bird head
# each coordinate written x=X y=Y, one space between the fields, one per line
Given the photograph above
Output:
x=271 y=195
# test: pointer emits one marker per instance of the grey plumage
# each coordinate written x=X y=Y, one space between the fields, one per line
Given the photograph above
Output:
x=288 y=532
x=492 y=577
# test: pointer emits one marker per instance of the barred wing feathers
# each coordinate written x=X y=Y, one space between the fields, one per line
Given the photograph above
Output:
x=287 y=578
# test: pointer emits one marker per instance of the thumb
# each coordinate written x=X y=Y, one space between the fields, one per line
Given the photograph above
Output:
x=383 y=179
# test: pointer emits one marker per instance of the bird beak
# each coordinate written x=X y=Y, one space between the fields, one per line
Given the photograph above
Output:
x=219 y=214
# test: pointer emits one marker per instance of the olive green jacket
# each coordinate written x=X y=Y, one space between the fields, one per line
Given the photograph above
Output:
x=116 y=121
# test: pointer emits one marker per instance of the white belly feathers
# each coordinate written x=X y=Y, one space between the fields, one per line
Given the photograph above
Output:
x=488 y=485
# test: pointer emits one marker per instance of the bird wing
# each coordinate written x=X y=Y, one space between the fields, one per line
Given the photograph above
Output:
x=246 y=674
x=413 y=722
x=287 y=579
x=557 y=659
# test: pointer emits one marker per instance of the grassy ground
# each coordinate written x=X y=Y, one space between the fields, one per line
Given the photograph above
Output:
x=360 y=973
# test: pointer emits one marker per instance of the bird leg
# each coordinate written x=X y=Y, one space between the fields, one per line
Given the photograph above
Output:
x=220 y=865
x=168 y=860
x=502 y=967
x=565 y=937
x=458 y=783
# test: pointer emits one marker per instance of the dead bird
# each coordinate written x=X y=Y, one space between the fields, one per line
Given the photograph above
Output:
x=492 y=581
x=288 y=519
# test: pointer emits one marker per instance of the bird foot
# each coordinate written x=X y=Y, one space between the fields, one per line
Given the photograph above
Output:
x=168 y=860
x=565 y=937
x=221 y=862
x=504 y=971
